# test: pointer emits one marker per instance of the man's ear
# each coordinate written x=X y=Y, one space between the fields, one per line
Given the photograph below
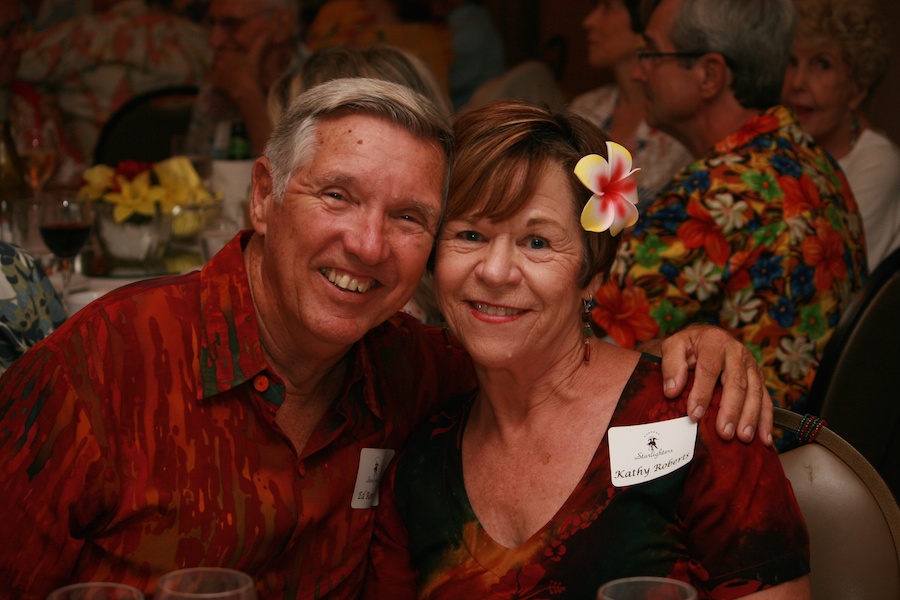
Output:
x=715 y=75
x=261 y=194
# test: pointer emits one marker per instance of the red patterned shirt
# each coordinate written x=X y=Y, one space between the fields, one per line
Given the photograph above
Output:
x=140 y=438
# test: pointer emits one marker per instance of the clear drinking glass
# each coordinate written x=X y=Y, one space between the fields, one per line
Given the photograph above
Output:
x=96 y=591
x=205 y=583
x=646 y=588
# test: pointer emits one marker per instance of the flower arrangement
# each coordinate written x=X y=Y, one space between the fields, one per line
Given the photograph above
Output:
x=613 y=205
x=135 y=189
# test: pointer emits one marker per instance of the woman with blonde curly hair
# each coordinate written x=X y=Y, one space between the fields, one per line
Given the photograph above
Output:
x=840 y=53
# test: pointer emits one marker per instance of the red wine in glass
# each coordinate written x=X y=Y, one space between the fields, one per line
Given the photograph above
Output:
x=65 y=238
x=65 y=225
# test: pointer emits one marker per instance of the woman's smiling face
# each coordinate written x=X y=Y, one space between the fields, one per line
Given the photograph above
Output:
x=509 y=289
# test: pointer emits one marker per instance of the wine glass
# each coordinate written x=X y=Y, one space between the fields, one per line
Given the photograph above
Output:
x=96 y=591
x=65 y=225
x=646 y=588
x=205 y=583
x=38 y=148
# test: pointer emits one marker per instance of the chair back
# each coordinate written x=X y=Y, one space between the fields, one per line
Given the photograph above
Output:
x=144 y=127
x=857 y=384
x=852 y=517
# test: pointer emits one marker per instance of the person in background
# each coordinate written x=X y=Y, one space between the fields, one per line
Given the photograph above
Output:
x=409 y=24
x=478 y=52
x=238 y=416
x=619 y=108
x=378 y=61
x=567 y=467
x=29 y=108
x=30 y=308
x=43 y=14
x=254 y=42
x=94 y=63
x=840 y=53
x=760 y=234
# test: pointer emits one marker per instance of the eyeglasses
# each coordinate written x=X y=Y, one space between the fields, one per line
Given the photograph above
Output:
x=646 y=56
x=232 y=25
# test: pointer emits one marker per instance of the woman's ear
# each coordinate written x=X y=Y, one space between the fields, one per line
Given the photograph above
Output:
x=591 y=289
x=859 y=96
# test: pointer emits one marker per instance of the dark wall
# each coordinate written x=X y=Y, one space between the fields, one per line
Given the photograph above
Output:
x=531 y=27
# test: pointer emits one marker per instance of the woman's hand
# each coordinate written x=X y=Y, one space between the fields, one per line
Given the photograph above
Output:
x=713 y=353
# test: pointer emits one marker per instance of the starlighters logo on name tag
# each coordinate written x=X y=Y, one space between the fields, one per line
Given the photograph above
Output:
x=641 y=453
x=372 y=464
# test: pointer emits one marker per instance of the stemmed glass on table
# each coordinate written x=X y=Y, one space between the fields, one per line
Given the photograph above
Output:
x=205 y=583
x=646 y=588
x=38 y=151
x=38 y=148
x=96 y=591
x=65 y=225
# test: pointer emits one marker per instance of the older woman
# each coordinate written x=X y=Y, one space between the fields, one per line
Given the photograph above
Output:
x=840 y=52
x=567 y=467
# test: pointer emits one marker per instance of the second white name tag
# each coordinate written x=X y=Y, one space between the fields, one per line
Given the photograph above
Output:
x=641 y=453
x=372 y=463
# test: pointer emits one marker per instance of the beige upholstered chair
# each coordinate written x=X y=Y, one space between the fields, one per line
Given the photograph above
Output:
x=856 y=382
x=853 y=519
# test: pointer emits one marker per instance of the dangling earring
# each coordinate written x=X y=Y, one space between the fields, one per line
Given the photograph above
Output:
x=587 y=331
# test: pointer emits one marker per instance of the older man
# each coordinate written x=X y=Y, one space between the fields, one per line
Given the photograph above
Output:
x=254 y=42
x=242 y=416
x=761 y=234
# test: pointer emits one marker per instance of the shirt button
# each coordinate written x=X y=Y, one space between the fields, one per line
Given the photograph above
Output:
x=261 y=383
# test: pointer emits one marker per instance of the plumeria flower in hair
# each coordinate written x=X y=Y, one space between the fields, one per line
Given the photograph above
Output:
x=613 y=205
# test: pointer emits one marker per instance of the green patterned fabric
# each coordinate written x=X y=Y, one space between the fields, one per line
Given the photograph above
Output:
x=29 y=306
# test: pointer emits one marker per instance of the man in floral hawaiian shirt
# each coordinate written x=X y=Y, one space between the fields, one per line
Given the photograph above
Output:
x=761 y=234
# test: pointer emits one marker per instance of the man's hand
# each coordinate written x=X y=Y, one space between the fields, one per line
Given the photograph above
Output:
x=711 y=352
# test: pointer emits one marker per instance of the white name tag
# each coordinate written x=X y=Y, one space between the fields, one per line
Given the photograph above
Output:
x=641 y=453
x=372 y=464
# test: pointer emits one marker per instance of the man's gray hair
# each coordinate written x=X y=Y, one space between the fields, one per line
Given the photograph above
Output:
x=754 y=36
x=294 y=142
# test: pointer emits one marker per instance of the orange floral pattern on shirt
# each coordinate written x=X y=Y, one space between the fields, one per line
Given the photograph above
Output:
x=761 y=236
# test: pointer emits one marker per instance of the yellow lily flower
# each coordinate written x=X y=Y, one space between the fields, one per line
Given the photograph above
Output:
x=135 y=196
x=97 y=180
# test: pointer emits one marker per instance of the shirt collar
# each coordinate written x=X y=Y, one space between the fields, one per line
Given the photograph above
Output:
x=767 y=122
x=231 y=351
